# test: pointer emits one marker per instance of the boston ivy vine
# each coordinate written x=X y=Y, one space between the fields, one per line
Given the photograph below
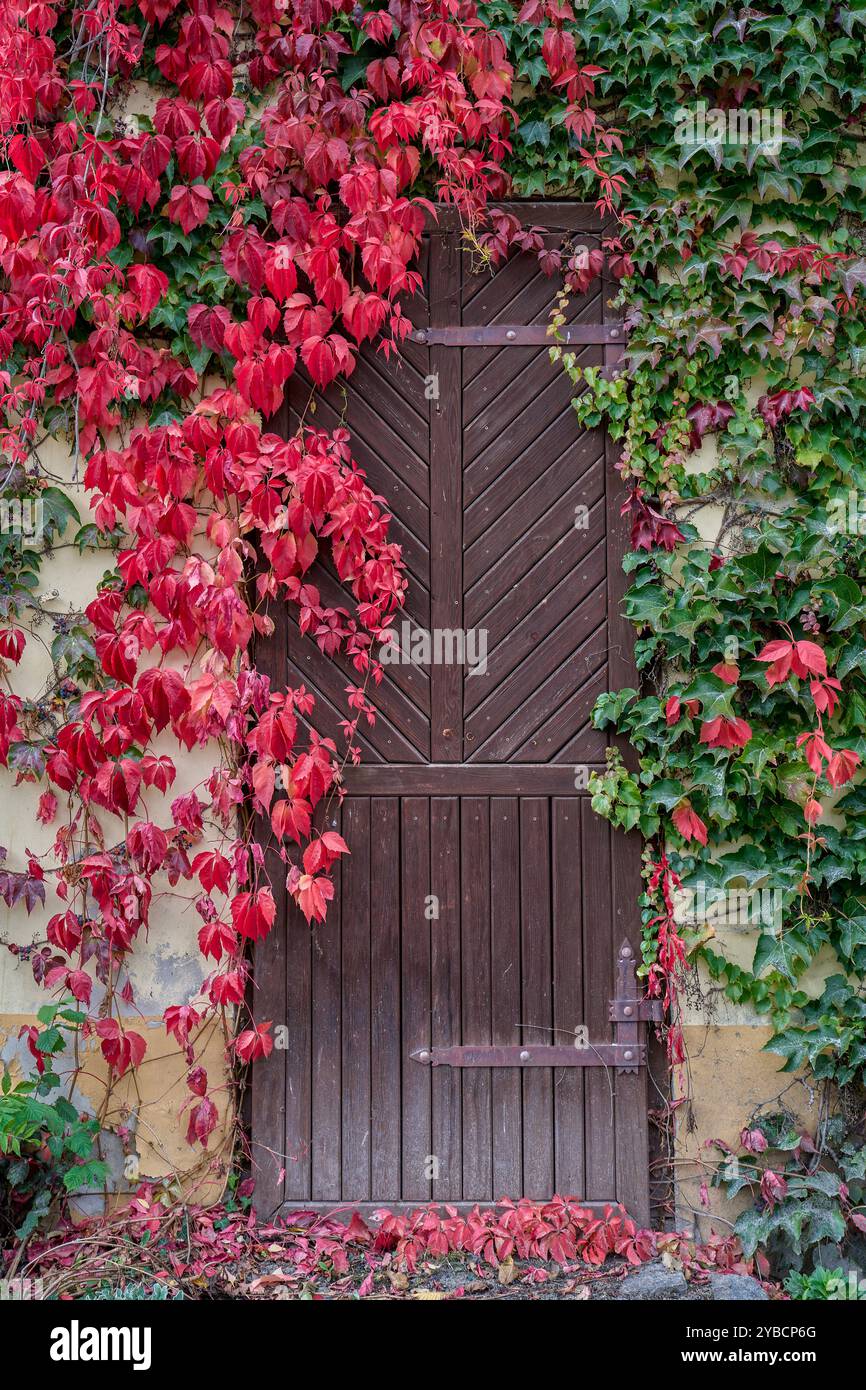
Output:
x=740 y=412
x=268 y=212
x=163 y=275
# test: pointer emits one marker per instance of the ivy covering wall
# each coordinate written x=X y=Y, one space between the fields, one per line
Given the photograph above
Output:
x=740 y=415
x=267 y=210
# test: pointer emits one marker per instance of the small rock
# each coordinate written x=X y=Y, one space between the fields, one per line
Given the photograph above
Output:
x=653 y=1281
x=737 y=1287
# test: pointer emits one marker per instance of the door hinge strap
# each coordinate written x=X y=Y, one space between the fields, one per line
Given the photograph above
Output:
x=642 y=1010
x=621 y=1056
x=518 y=335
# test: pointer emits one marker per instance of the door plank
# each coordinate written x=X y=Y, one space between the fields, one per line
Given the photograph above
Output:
x=581 y=628
x=598 y=989
x=512 y=525
x=416 y=1021
x=486 y=503
x=298 y=1078
x=386 y=1042
x=568 y=1005
x=475 y=963
x=446 y=502
x=268 y=994
x=356 y=1002
x=326 y=1103
x=506 y=1100
x=537 y=1007
x=565 y=696
x=514 y=572
x=447 y=1142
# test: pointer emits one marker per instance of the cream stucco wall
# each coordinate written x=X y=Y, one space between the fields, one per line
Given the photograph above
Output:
x=728 y=1075
x=149 y=1111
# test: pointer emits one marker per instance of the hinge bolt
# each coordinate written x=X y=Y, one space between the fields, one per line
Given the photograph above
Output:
x=423 y=1056
x=511 y=335
x=524 y=1056
x=628 y=1056
x=628 y=1010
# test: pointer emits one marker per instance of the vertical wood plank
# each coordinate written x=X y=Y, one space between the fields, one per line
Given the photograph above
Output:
x=385 y=995
x=446 y=1082
x=537 y=1013
x=415 y=836
x=568 y=1009
x=446 y=499
x=270 y=973
x=298 y=1077
x=505 y=986
x=356 y=1001
x=598 y=957
x=326 y=976
x=475 y=962
x=632 y=1124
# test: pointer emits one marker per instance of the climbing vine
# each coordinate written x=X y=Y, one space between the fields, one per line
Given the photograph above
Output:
x=265 y=214
x=197 y=200
x=740 y=413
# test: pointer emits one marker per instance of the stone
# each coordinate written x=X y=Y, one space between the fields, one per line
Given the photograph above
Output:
x=654 y=1281
x=736 y=1287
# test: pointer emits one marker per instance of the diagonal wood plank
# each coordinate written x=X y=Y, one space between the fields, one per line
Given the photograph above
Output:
x=499 y=739
x=493 y=500
x=512 y=575
x=523 y=640
x=509 y=424
x=572 y=712
x=500 y=699
x=400 y=732
x=513 y=525
x=370 y=428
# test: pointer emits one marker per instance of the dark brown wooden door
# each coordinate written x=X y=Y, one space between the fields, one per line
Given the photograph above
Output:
x=483 y=902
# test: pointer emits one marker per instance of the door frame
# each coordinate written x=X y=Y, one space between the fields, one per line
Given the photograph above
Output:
x=265 y=1111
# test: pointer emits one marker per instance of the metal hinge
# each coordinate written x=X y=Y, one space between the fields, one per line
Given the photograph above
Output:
x=644 y=1010
x=625 y=1057
x=626 y=1054
x=518 y=335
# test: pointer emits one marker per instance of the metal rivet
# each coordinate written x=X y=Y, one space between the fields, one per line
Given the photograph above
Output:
x=524 y=1056
x=423 y=1056
x=511 y=335
x=628 y=1056
x=419 y=335
x=614 y=333
x=628 y=1010
x=626 y=952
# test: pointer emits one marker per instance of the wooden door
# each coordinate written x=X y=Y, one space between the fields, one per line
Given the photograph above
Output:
x=483 y=903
